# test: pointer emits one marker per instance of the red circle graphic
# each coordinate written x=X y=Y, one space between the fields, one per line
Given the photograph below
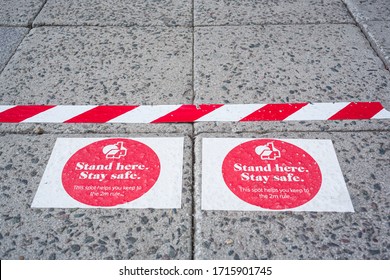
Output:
x=111 y=172
x=271 y=174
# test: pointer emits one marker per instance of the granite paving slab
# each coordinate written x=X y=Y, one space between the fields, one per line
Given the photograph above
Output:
x=287 y=63
x=247 y=12
x=309 y=126
x=19 y=12
x=116 y=13
x=98 y=128
x=100 y=65
x=369 y=10
x=51 y=233
x=379 y=34
x=10 y=38
x=363 y=234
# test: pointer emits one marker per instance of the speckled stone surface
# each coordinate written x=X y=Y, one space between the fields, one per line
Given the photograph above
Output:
x=27 y=233
x=364 y=234
x=10 y=37
x=274 y=64
x=103 y=128
x=368 y=10
x=146 y=52
x=116 y=13
x=378 y=33
x=309 y=126
x=19 y=12
x=244 y=12
x=95 y=65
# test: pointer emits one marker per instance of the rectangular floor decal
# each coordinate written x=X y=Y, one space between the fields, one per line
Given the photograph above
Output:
x=113 y=172
x=272 y=175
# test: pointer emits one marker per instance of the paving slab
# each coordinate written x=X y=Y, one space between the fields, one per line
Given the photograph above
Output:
x=51 y=233
x=246 y=12
x=363 y=234
x=99 y=128
x=368 y=10
x=116 y=13
x=19 y=12
x=288 y=63
x=10 y=38
x=378 y=32
x=100 y=65
x=266 y=126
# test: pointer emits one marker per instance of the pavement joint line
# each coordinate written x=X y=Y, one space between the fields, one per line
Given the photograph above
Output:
x=191 y=113
x=349 y=11
x=193 y=204
x=182 y=26
x=193 y=52
x=193 y=151
x=373 y=45
x=257 y=132
x=273 y=24
x=31 y=24
x=110 y=25
x=360 y=25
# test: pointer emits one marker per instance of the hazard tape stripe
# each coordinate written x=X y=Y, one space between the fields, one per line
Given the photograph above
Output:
x=355 y=111
x=4 y=108
x=187 y=113
x=145 y=114
x=274 y=112
x=58 y=114
x=231 y=112
x=383 y=114
x=101 y=114
x=20 y=113
x=317 y=111
x=192 y=113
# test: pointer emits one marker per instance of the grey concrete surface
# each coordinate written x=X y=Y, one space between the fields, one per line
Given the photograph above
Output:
x=19 y=12
x=378 y=33
x=373 y=17
x=287 y=63
x=101 y=128
x=116 y=13
x=27 y=233
x=244 y=12
x=92 y=65
x=369 y=10
x=10 y=38
x=148 y=52
x=364 y=234
x=264 y=127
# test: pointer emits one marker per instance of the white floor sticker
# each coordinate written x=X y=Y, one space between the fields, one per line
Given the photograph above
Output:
x=272 y=175
x=113 y=173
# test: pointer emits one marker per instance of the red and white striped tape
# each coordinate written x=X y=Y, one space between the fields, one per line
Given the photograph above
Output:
x=192 y=113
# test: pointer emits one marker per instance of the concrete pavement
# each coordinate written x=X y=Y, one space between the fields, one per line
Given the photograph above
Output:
x=374 y=18
x=193 y=52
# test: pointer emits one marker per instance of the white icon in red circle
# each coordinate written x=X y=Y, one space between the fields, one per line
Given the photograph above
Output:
x=268 y=151
x=115 y=151
x=111 y=172
x=271 y=174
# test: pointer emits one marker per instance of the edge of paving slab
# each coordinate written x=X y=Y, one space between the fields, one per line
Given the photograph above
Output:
x=293 y=126
x=104 y=128
x=23 y=33
x=375 y=43
x=269 y=220
x=362 y=22
x=29 y=20
x=65 y=217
